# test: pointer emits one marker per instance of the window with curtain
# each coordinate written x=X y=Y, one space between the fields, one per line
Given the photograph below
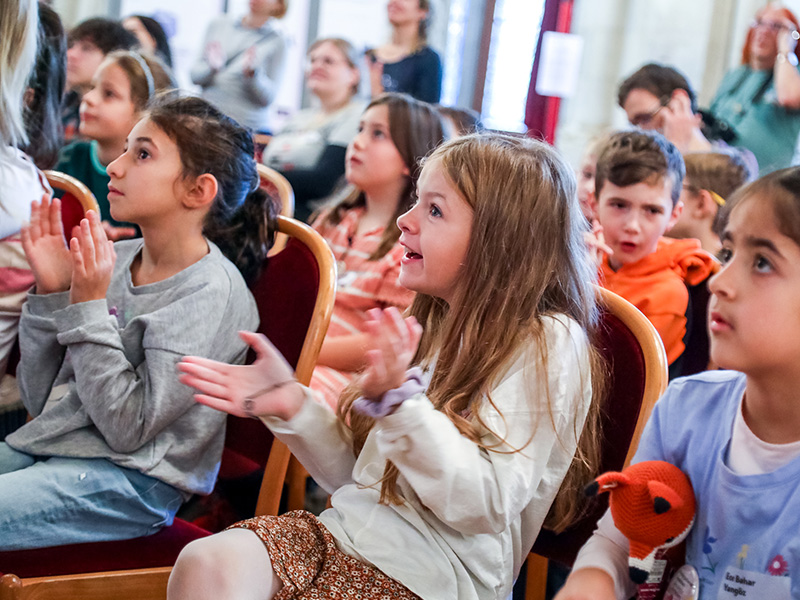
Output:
x=515 y=32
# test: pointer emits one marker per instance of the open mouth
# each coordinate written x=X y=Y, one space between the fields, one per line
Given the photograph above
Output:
x=409 y=255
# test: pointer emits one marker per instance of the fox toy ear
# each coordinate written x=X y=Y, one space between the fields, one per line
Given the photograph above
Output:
x=664 y=497
x=606 y=482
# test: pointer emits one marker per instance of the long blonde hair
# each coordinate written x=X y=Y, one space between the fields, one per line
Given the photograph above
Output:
x=522 y=194
x=18 y=32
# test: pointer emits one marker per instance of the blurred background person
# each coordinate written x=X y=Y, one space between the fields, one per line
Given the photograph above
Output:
x=406 y=63
x=87 y=46
x=242 y=63
x=760 y=100
x=310 y=150
x=151 y=35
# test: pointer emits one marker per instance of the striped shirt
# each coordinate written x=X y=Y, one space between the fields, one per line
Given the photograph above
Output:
x=362 y=284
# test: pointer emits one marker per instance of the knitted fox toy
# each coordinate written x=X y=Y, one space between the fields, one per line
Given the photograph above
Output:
x=653 y=505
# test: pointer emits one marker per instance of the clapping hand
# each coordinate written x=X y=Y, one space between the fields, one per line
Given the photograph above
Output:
x=45 y=247
x=680 y=123
x=93 y=259
x=265 y=388
x=393 y=342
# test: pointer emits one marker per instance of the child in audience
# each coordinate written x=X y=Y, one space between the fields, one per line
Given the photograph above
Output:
x=395 y=132
x=441 y=474
x=88 y=44
x=736 y=434
x=586 y=175
x=121 y=88
x=711 y=178
x=116 y=443
x=20 y=181
x=638 y=184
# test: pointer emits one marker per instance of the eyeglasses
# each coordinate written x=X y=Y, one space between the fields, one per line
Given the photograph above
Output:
x=645 y=120
x=773 y=26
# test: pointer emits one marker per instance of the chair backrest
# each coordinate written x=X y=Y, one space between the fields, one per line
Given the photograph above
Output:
x=294 y=295
x=637 y=367
x=277 y=186
x=75 y=201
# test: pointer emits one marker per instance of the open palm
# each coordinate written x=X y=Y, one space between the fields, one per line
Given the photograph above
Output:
x=230 y=388
x=45 y=247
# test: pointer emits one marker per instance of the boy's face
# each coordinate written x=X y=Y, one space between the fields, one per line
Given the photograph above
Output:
x=635 y=217
x=83 y=58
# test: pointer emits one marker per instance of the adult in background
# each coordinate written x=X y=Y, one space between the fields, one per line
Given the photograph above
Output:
x=760 y=99
x=151 y=35
x=309 y=151
x=406 y=63
x=87 y=46
x=660 y=98
x=242 y=63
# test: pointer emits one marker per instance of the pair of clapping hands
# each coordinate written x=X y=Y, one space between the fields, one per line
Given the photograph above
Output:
x=267 y=386
x=84 y=268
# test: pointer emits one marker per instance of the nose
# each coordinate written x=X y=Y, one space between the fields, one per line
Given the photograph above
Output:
x=360 y=140
x=115 y=168
x=632 y=222
x=720 y=283
x=407 y=221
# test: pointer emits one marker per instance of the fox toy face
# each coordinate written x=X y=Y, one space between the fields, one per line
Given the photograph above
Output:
x=653 y=505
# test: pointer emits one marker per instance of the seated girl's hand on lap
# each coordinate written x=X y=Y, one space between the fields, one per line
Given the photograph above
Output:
x=393 y=343
x=45 y=247
x=93 y=259
x=264 y=388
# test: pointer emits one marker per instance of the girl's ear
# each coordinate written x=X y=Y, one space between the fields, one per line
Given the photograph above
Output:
x=200 y=192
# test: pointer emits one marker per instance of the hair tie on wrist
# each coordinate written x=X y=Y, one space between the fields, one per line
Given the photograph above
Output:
x=249 y=402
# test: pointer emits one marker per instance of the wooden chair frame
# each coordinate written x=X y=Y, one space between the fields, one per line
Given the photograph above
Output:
x=286 y=195
x=143 y=584
x=655 y=382
x=70 y=185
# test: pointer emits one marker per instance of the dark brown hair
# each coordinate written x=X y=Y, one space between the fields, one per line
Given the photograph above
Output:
x=242 y=219
x=631 y=157
x=416 y=129
x=781 y=191
x=659 y=80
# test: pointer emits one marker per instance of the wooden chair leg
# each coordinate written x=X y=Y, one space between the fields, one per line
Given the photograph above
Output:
x=296 y=478
x=536 y=577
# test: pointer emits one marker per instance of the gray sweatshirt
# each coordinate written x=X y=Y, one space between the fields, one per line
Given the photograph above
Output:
x=245 y=99
x=100 y=377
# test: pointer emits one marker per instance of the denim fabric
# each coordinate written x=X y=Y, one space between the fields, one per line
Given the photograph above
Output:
x=57 y=500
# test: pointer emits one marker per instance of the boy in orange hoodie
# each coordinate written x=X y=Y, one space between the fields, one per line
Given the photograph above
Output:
x=638 y=185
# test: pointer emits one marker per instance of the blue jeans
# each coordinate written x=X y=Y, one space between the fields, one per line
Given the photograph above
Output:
x=56 y=501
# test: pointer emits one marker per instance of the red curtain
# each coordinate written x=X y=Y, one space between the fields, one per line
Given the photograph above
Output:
x=541 y=112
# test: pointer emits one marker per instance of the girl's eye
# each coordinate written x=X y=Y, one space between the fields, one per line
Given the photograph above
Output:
x=142 y=153
x=724 y=255
x=379 y=133
x=435 y=211
x=762 y=264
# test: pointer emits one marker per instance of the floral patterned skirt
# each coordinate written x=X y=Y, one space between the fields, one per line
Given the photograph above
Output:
x=305 y=557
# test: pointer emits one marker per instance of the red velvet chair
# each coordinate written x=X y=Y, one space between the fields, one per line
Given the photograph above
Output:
x=295 y=300
x=637 y=364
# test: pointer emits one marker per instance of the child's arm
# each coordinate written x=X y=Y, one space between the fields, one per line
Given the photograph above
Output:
x=267 y=389
x=48 y=257
x=344 y=352
x=601 y=567
x=262 y=80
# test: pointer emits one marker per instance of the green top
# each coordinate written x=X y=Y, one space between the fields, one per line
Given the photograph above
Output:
x=747 y=101
x=80 y=160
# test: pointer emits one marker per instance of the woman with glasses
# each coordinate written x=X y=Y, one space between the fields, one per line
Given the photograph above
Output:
x=309 y=150
x=760 y=99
